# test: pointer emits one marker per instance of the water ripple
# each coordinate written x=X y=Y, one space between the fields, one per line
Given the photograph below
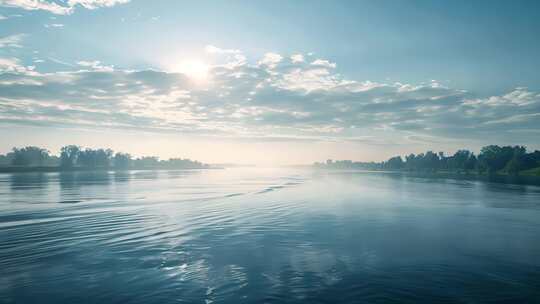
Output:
x=264 y=236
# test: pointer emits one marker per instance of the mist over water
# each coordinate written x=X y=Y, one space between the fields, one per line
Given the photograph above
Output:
x=265 y=236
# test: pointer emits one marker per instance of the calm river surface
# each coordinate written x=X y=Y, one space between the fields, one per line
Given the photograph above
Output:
x=265 y=236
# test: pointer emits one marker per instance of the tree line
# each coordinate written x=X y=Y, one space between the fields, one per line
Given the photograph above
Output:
x=73 y=157
x=492 y=159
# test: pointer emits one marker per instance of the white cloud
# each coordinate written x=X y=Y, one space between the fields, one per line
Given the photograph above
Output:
x=54 y=25
x=13 y=65
x=252 y=100
x=8 y=63
x=93 y=4
x=297 y=58
x=520 y=97
x=324 y=63
x=96 y=65
x=215 y=50
x=2 y=17
x=309 y=80
x=37 y=5
x=65 y=8
x=270 y=60
x=11 y=41
x=515 y=119
x=226 y=58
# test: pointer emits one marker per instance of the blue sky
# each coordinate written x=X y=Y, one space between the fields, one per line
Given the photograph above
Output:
x=307 y=80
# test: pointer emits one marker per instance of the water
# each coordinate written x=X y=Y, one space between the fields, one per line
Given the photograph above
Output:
x=265 y=236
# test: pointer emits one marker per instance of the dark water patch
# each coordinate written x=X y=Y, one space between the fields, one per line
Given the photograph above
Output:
x=271 y=188
x=233 y=194
x=70 y=201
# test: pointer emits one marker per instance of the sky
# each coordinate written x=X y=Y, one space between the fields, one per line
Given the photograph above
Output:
x=269 y=82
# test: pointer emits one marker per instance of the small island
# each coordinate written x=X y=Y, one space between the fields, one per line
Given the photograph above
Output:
x=76 y=158
x=508 y=164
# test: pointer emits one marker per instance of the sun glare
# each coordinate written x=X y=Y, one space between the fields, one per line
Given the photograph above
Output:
x=195 y=69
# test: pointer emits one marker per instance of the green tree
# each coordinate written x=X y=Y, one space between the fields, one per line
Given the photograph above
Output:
x=69 y=156
x=146 y=162
x=471 y=163
x=29 y=156
x=122 y=160
x=394 y=163
x=513 y=166
x=99 y=158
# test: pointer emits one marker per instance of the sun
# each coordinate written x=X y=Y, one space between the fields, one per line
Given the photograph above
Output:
x=192 y=68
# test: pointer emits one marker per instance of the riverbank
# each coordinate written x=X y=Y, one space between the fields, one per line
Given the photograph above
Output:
x=495 y=178
x=46 y=169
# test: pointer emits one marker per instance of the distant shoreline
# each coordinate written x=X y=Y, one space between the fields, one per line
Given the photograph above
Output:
x=496 y=178
x=46 y=169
